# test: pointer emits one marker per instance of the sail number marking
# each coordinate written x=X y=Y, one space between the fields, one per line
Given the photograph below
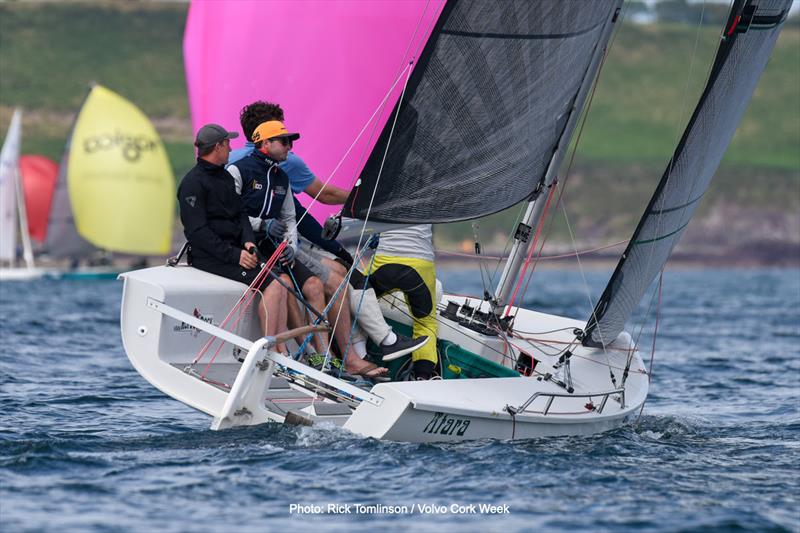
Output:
x=446 y=425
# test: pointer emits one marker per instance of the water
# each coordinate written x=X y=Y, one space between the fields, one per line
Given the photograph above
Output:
x=87 y=445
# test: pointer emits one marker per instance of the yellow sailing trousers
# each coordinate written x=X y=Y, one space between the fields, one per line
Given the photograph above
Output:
x=417 y=279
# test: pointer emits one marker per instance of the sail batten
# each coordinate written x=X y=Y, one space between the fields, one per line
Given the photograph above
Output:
x=485 y=109
x=522 y=37
x=741 y=57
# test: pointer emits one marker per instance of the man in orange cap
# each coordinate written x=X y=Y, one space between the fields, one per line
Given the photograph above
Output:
x=267 y=195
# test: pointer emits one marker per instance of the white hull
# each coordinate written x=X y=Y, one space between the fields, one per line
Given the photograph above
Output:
x=23 y=274
x=169 y=313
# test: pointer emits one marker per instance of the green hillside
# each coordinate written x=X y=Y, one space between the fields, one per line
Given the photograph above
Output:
x=50 y=52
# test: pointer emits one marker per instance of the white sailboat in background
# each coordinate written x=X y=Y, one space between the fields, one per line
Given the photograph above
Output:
x=13 y=216
x=484 y=122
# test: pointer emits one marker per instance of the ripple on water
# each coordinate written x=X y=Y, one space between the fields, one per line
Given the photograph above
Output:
x=87 y=444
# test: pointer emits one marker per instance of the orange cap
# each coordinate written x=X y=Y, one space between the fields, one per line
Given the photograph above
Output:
x=272 y=129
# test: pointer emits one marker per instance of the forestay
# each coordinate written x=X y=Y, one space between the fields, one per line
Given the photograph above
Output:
x=745 y=47
x=484 y=110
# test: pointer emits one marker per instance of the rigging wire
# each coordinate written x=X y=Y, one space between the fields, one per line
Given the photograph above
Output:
x=681 y=114
x=653 y=351
x=544 y=257
x=405 y=65
x=378 y=109
x=407 y=70
x=346 y=279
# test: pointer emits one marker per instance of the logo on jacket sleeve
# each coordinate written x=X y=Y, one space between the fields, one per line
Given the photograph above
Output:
x=191 y=200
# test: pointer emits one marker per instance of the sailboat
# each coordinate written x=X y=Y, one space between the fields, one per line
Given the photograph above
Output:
x=114 y=191
x=13 y=214
x=482 y=123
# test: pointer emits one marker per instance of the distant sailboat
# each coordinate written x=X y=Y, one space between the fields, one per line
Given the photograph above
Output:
x=116 y=189
x=13 y=216
x=39 y=176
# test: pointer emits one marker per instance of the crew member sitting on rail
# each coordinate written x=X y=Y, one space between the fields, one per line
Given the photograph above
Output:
x=220 y=237
x=267 y=196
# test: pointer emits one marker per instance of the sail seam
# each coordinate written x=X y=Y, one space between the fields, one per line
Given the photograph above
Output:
x=522 y=37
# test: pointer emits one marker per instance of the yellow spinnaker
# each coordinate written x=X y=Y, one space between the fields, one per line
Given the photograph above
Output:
x=120 y=182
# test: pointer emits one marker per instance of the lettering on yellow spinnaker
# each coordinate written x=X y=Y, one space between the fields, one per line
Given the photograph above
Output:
x=121 y=184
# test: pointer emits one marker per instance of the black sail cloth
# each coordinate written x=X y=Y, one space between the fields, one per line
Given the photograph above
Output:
x=485 y=109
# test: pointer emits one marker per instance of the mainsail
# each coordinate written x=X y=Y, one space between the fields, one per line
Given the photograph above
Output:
x=116 y=186
x=9 y=183
x=484 y=111
x=745 y=47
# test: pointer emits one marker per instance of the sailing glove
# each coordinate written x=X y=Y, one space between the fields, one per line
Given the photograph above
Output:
x=276 y=228
x=287 y=257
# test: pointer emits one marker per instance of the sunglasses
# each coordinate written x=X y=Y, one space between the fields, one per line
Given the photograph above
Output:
x=283 y=140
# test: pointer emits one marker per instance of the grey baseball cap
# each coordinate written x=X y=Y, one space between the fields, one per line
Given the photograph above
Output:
x=211 y=134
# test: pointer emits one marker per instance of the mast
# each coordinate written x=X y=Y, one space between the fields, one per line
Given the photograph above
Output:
x=27 y=249
x=538 y=200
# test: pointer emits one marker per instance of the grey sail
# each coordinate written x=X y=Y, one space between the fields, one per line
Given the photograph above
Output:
x=63 y=239
x=485 y=109
x=746 y=44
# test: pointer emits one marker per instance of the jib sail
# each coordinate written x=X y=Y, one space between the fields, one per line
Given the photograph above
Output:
x=745 y=47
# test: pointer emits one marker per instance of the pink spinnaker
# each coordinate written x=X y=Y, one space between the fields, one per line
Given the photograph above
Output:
x=329 y=64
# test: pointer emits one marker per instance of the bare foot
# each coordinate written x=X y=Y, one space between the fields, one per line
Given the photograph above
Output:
x=366 y=369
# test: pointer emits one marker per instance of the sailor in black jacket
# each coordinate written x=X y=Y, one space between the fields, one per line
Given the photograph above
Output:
x=217 y=227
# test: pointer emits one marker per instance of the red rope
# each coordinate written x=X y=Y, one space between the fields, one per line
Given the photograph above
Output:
x=245 y=300
x=655 y=332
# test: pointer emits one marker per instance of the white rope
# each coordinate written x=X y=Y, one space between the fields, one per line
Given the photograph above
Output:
x=406 y=65
x=372 y=199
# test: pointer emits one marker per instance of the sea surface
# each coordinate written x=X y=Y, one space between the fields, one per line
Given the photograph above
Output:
x=86 y=444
